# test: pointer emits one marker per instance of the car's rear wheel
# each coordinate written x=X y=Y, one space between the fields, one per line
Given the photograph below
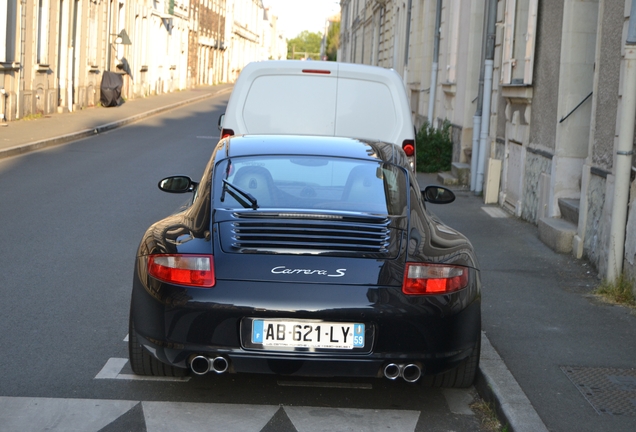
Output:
x=143 y=363
x=460 y=377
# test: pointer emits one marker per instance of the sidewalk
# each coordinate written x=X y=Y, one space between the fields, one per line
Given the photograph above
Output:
x=553 y=357
x=568 y=356
x=26 y=135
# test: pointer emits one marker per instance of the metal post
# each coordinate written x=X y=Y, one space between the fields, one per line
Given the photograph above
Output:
x=480 y=101
x=485 y=115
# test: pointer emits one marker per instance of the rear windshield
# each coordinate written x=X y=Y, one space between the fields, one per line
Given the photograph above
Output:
x=324 y=183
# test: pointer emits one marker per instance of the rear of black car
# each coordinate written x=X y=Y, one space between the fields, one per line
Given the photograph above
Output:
x=306 y=264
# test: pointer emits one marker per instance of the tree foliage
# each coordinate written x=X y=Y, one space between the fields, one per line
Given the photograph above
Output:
x=306 y=44
x=333 y=41
x=434 y=148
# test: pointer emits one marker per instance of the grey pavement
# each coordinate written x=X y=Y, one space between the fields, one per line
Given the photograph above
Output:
x=558 y=357
x=35 y=133
x=553 y=356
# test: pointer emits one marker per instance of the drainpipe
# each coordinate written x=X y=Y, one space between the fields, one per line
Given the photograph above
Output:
x=22 y=41
x=480 y=100
x=433 y=88
x=3 y=105
x=624 y=155
x=485 y=118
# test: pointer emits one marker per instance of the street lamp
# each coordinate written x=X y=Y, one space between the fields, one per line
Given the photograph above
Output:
x=121 y=38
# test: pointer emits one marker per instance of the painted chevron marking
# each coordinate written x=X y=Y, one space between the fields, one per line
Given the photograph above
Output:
x=113 y=367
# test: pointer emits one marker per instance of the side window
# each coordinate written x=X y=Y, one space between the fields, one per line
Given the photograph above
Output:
x=43 y=32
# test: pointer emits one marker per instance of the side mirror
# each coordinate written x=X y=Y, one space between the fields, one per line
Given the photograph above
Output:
x=221 y=117
x=438 y=195
x=177 y=184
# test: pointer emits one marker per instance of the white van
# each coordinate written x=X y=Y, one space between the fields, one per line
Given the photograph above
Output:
x=320 y=98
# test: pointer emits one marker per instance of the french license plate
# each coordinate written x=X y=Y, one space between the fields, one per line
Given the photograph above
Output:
x=304 y=334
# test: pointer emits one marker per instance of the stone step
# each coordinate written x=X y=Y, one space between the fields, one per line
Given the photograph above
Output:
x=447 y=179
x=557 y=233
x=570 y=209
x=462 y=172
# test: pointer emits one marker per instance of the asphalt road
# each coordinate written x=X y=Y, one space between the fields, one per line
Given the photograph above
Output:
x=71 y=219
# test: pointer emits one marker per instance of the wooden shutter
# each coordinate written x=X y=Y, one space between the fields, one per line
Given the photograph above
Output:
x=508 y=44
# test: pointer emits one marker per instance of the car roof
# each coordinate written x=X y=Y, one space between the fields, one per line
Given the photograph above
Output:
x=302 y=145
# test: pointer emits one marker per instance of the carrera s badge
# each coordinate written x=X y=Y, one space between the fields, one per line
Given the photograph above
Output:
x=284 y=270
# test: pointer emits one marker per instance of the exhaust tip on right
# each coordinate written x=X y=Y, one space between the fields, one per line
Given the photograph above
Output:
x=411 y=373
x=219 y=364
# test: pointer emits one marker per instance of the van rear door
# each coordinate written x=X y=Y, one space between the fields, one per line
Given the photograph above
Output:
x=292 y=101
x=371 y=103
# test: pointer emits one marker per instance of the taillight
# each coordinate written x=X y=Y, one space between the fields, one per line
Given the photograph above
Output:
x=422 y=278
x=409 y=147
x=190 y=270
x=226 y=133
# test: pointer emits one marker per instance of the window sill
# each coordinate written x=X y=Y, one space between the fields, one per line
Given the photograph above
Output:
x=450 y=88
x=517 y=93
x=14 y=66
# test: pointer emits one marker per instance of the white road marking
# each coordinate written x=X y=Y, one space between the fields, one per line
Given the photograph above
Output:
x=22 y=414
x=314 y=419
x=112 y=370
x=186 y=417
x=65 y=415
x=496 y=212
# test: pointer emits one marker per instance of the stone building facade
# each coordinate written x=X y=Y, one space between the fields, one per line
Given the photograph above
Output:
x=53 y=52
x=554 y=117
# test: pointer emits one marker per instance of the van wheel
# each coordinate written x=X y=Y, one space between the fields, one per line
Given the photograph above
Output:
x=460 y=377
x=143 y=363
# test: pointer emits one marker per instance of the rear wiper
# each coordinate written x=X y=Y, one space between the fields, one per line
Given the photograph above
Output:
x=241 y=196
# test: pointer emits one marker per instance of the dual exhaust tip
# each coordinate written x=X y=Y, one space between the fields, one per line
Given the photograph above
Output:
x=201 y=365
x=409 y=372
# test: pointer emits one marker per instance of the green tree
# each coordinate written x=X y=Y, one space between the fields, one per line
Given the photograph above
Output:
x=306 y=44
x=333 y=40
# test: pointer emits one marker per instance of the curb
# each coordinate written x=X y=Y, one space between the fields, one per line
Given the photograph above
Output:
x=63 y=139
x=496 y=384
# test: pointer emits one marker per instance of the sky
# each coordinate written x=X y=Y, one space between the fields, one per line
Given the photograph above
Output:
x=298 y=15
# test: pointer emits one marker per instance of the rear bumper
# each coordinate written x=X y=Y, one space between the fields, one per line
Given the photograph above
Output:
x=240 y=361
x=436 y=333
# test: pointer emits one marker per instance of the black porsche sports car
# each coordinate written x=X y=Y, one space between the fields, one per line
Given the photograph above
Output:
x=311 y=256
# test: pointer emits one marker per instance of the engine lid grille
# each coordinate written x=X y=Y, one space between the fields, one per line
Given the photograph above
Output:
x=304 y=234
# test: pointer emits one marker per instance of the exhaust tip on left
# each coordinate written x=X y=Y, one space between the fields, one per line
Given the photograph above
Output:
x=392 y=371
x=200 y=365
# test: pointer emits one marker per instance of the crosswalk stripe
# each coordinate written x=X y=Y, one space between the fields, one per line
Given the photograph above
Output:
x=314 y=419
x=195 y=417
x=112 y=370
x=22 y=414
x=93 y=415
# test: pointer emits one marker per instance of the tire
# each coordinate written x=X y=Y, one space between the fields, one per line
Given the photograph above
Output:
x=143 y=363
x=462 y=376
